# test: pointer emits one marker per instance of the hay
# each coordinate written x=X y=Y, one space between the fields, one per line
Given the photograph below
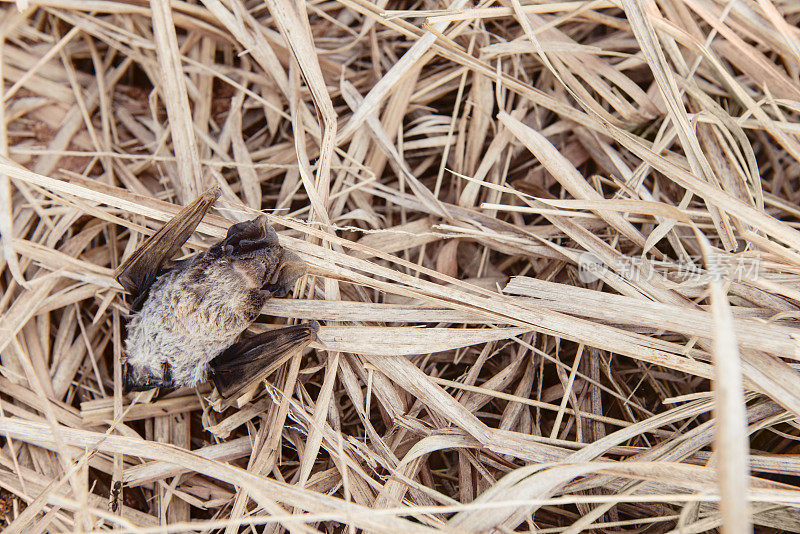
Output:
x=554 y=248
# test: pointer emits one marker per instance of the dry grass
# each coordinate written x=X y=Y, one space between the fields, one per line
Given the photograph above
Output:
x=446 y=170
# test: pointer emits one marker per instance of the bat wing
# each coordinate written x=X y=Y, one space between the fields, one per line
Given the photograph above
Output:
x=253 y=359
x=140 y=270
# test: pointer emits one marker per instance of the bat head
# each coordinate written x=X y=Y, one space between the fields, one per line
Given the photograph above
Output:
x=250 y=252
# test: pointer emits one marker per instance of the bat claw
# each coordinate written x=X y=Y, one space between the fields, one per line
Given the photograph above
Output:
x=212 y=193
x=314 y=325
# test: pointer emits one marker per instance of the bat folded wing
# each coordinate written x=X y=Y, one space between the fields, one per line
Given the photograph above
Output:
x=141 y=269
x=252 y=359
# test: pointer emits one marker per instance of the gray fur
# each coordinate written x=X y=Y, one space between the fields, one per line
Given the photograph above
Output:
x=198 y=309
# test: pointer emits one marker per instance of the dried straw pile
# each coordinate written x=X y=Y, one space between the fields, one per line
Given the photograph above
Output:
x=554 y=248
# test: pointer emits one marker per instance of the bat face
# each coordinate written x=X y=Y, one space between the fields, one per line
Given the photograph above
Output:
x=250 y=255
x=189 y=318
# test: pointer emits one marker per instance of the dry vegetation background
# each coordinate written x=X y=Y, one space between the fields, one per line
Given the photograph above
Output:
x=443 y=169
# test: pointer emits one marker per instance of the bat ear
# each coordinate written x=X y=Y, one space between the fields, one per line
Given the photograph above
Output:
x=290 y=269
x=140 y=270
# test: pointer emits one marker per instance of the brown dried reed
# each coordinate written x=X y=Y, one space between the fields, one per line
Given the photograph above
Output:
x=554 y=248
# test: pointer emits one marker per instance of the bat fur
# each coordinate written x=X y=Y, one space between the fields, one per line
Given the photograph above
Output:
x=194 y=311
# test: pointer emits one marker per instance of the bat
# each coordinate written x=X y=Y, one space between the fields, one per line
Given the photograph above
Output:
x=189 y=318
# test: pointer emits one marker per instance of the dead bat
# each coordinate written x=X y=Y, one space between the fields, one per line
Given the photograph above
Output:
x=188 y=318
